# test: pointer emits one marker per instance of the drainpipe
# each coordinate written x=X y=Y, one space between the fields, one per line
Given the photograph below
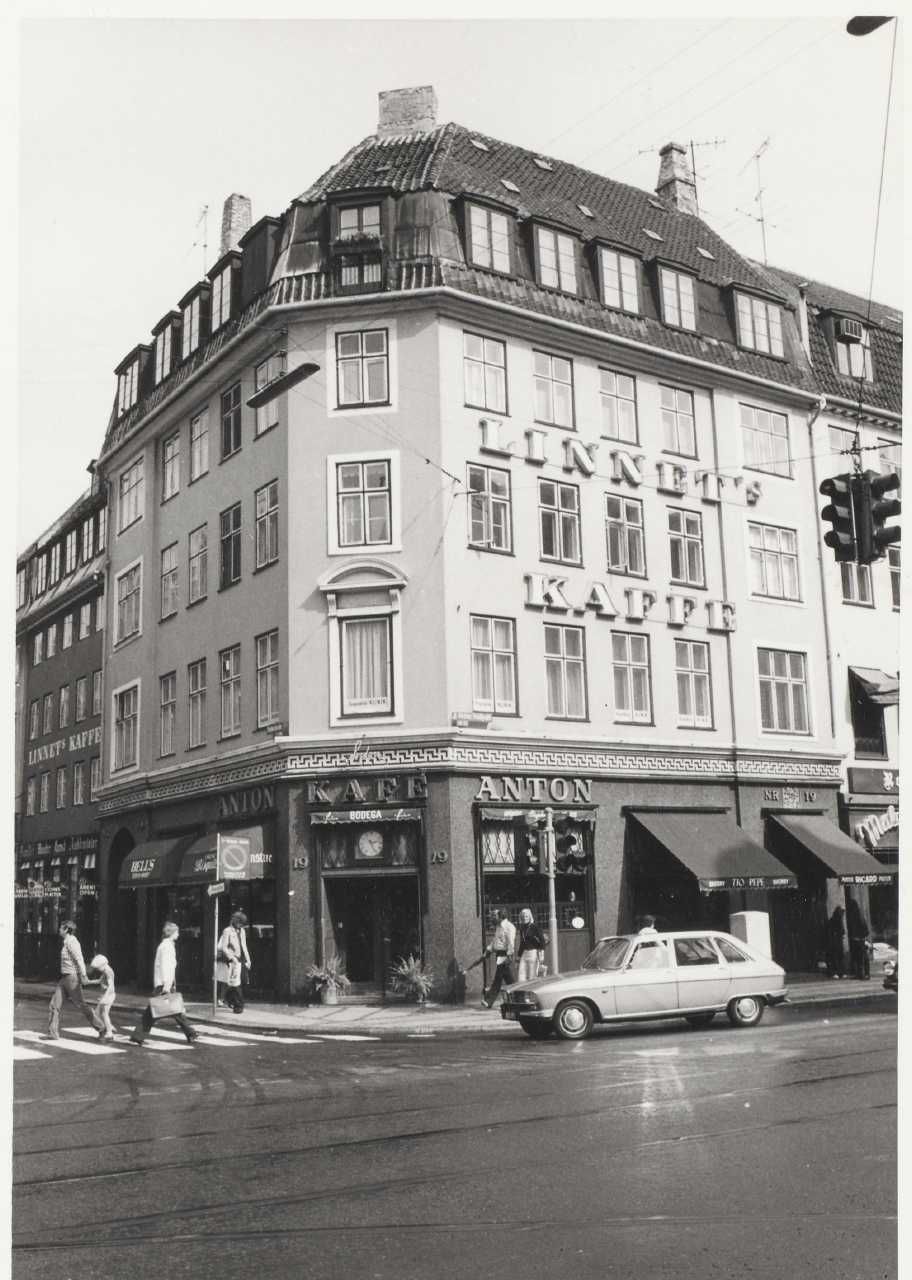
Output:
x=728 y=634
x=815 y=414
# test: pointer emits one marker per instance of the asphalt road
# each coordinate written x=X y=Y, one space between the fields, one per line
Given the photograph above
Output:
x=653 y=1151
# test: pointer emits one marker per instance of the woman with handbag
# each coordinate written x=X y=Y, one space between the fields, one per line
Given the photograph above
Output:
x=166 y=1001
x=531 y=948
x=233 y=960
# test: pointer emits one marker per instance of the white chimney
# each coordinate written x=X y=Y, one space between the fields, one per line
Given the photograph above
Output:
x=407 y=111
x=236 y=220
x=676 y=181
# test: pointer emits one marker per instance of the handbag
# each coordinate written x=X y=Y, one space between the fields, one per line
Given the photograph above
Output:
x=166 y=1006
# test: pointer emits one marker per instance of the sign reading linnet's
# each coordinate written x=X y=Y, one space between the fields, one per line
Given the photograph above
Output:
x=535 y=790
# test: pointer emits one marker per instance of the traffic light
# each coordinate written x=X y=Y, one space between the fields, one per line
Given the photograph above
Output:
x=872 y=510
x=839 y=512
x=571 y=858
x=527 y=858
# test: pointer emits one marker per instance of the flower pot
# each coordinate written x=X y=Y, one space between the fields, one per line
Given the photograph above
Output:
x=329 y=995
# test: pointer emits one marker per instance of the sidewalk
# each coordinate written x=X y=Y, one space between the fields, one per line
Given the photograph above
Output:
x=419 y=1020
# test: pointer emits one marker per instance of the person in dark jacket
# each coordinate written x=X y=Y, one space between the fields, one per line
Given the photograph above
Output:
x=835 y=944
x=530 y=946
x=857 y=929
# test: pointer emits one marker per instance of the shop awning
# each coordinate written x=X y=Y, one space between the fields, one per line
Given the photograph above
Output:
x=877 y=686
x=243 y=857
x=153 y=862
x=840 y=856
x=715 y=849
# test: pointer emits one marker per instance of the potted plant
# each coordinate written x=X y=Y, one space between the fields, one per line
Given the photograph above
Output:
x=328 y=979
x=409 y=978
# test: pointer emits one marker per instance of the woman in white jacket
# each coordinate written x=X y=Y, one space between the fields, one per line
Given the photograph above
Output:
x=232 y=959
x=165 y=979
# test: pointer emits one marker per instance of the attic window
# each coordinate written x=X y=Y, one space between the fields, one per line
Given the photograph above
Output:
x=759 y=324
x=477 y=142
x=853 y=349
x=653 y=235
x=128 y=387
x=704 y=253
x=585 y=211
x=511 y=186
x=543 y=164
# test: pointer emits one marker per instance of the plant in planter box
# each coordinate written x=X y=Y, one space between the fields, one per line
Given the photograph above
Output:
x=328 y=980
x=408 y=977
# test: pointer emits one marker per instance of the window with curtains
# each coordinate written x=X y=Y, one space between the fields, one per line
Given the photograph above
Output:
x=631 y=677
x=170 y=466
x=485 y=372
x=693 y=684
x=34 y=719
x=363 y=503
x=685 y=541
x=493 y=642
x=67 y=637
x=553 y=388
x=44 y=793
x=38 y=641
x=167 y=697
x=267 y=667
x=126 y=726
x=559 y=522
x=196 y=702
x=624 y=534
x=230 y=690
x=556 y=260
x=79 y=782
x=362 y=368
x=51 y=644
x=618 y=397
x=783 y=691
x=366 y=666
x=198 y=565
x=63 y=707
x=169 y=581
x=766 y=440
x=489 y=509
x=48 y=720
x=565 y=672
x=678 y=305
x=85 y=620
x=773 y=561
x=61 y=788
x=619 y=279
x=678 y=430
x=266 y=502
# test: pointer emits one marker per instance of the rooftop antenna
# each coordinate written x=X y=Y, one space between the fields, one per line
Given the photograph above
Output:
x=758 y=198
x=204 y=219
x=706 y=142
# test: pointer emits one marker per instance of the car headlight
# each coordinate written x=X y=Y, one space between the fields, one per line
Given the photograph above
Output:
x=523 y=997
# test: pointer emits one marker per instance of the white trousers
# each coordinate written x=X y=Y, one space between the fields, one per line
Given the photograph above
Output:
x=528 y=965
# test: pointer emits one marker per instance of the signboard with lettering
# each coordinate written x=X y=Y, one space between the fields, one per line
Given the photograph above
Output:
x=746 y=882
x=874 y=782
x=877 y=830
x=362 y=791
x=534 y=790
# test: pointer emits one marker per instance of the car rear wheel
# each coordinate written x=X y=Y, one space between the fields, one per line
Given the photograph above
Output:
x=537 y=1030
x=698 y=1020
x=745 y=1011
x=573 y=1020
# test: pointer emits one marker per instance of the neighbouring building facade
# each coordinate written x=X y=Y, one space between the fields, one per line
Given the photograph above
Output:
x=476 y=484
x=59 y=692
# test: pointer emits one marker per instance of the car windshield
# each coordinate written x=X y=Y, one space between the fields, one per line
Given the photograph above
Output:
x=609 y=954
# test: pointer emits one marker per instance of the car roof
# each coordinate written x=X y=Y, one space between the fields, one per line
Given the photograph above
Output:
x=674 y=933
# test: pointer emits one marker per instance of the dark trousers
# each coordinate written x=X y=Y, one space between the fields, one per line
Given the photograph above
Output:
x=835 y=958
x=145 y=1026
x=860 y=961
x=234 y=998
x=503 y=973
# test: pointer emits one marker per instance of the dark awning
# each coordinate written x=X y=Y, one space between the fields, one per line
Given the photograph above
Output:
x=152 y=863
x=243 y=856
x=715 y=849
x=840 y=856
x=877 y=686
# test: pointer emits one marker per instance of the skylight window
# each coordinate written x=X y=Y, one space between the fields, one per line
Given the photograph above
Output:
x=704 y=253
x=653 y=235
x=477 y=142
x=543 y=164
x=585 y=211
x=511 y=186
x=656 y=204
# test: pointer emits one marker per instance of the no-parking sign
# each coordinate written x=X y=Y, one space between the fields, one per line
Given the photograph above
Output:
x=234 y=857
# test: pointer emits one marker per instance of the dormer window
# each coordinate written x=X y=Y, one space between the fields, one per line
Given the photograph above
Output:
x=190 y=317
x=162 y=355
x=556 y=255
x=127 y=388
x=359 y=221
x=619 y=280
x=759 y=324
x=221 y=298
x=489 y=239
x=853 y=350
x=678 y=305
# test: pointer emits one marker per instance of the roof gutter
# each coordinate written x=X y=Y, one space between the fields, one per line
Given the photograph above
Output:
x=873 y=411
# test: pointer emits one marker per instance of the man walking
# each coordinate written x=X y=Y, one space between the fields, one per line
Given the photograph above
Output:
x=164 y=977
x=72 y=976
x=502 y=945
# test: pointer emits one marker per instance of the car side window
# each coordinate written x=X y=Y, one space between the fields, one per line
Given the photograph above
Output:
x=650 y=955
x=693 y=951
x=730 y=951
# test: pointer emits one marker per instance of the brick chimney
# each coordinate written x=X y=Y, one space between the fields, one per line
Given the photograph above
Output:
x=676 y=181
x=236 y=219
x=407 y=111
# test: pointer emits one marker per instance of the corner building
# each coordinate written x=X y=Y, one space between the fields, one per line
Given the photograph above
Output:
x=436 y=504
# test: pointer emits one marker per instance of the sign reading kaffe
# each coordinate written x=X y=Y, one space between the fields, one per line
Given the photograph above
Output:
x=358 y=791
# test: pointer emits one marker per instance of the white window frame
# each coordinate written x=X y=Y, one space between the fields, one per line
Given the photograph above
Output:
x=489 y=239
x=675 y=419
x=686 y=540
x=63 y=707
x=220 y=304
x=613 y=395
x=374 y=577
x=199 y=557
x=44 y=791
x=493 y=393
x=167 y=713
x=692 y=675
x=857 y=584
x=85 y=620
x=102 y=528
x=34 y=719
x=87 y=539
x=750 y=420
x=266 y=524
x=565 y=661
x=230 y=691
x=852 y=365
x=267 y=677
x=759 y=324
x=626 y=528
x=199 y=444
x=119 y=692
x=30 y=797
x=391 y=404
x=66 y=639
x=491 y=652
x=97 y=692
x=60 y=788
x=169 y=582
x=679 y=299
x=190 y=327
x=163 y=342
x=170 y=466
x=264 y=373
x=392 y=458
x=94 y=777
x=81 y=709
x=485 y=501
x=197 y=704
x=765 y=553
x=127 y=388
x=50 y=644
x=776 y=647
x=619 y=290
x=631 y=716
x=70 y=560
x=894 y=560
x=79 y=782
x=47 y=714
x=119 y=636
x=54 y=572
x=130 y=496
x=556 y=260
x=356 y=227
x=557 y=513
x=544 y=381
x=38 y=648
x=22 y=581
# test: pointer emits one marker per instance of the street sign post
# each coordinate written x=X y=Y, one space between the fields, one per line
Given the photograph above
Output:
x=214 y=889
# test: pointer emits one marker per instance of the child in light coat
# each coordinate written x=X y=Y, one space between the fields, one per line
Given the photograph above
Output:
x=105 y=980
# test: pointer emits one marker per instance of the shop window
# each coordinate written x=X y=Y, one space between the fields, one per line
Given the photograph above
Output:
x=867 y=723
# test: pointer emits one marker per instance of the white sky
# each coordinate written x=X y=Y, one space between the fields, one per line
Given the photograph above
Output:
x=127 y=128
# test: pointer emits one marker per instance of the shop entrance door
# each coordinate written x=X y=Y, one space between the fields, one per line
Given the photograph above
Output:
x=374 y=920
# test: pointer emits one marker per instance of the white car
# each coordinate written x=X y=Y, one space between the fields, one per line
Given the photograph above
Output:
x=692 y=974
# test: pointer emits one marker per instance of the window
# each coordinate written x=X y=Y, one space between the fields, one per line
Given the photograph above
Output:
x=162 y=354
x=87 y=540
x=489 y=239
x=38 y=643
x=267 y=371
x=694 y=951
x=230 y=690
x=693 y=686
x=783 y=691
x=650 y=955
x=129 y=589
x=126 y=725
x=366 y=666
x=82 y=698
x=35 y=719
x=357 y=269
x=733 y=954
x=230 y=546
x=630 y=672
x=70 y=558
x=267 y=664
x=893 y=557
x=766 y=440
x=55 y=567
x=619 y=281
x=889 y=455
x=624 y=534
x=565 y=672
x=485 y=372
x=30 y=798
x=169 y=581
x=854 y=358
x=199 y=445
x=773 y=561
x=759 y=324
x=685 y=541
x=63 y=717
x=102 y=528
x=363 y=503
x=556 y=260
x=94 y=776
x=48 y=719
x=359 y=220
x=867 y=722
x=61 y=789
x=196 y=688
x=231 y=420
x=167 y=712
x=856 y=583
x=67 y=638
x=362 y=367
x=96 y=693
x=21 y=579
x=559 y=522
x=51 y=641
x=190 y=327
x=199 y=555
x=79 y=782
x=127 y=388
x=618 y=396
x=678 y=428
x=170 y=466
x=267 y=524
x=678 y=307
x=85 y=620
x=130 y=506
x=553 y=389
x=220 y=309
x=490 y=522
x=493 y=665
x=44 y=792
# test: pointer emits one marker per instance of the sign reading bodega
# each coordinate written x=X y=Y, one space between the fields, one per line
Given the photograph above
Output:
x=535 y=790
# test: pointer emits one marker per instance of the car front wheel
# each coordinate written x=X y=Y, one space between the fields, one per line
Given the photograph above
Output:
x=745 y=1011
x=573 y=1020
x=537 y=1030
x=698 y=1020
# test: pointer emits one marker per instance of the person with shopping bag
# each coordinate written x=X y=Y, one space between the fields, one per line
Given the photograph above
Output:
x=531 y=950
x=166 y=1000
x=233 y=961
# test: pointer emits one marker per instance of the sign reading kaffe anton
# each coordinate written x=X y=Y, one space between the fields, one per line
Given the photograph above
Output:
x=535 y=790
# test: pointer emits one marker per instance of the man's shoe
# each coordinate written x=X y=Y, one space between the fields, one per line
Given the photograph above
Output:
x=139 y=1043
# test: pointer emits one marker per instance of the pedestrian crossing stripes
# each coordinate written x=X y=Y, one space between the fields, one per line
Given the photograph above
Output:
x=160 y=1039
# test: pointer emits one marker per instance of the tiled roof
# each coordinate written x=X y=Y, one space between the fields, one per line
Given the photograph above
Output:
x=830 y=298
x=63 y=590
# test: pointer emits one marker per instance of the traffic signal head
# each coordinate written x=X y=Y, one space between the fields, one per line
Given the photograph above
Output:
x=882 y=508
x=570 y=858
x=527 y=859
x=839 y=512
